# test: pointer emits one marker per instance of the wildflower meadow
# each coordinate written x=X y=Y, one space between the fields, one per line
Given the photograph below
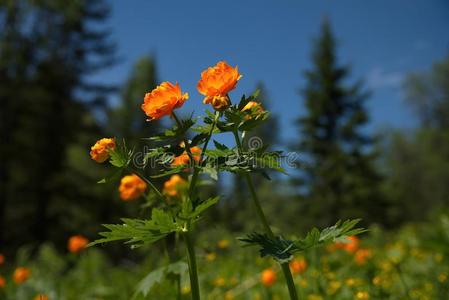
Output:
x=197 y=175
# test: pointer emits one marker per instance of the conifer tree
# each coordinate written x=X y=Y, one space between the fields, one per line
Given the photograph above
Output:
x=339 y=175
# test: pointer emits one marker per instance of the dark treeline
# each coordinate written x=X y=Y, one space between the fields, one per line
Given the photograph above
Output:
x=48 y=107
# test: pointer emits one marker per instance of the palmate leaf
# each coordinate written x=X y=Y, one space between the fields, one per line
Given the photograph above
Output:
x=276 y=247
x=138 y=232
x=120 y=157
x=282 y=250
x=156 y=276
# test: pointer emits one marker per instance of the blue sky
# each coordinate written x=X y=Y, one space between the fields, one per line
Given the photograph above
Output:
x=270 y=41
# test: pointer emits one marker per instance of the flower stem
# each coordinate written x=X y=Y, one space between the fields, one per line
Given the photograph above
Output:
x=285 y=267
x=194 y=285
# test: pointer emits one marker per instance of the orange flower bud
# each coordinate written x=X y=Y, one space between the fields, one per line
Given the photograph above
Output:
x=268 y=277
x=173 y=185
x=77 y=243
x=2 y=282
x=298 y=266
x=100 y=151
x=131 y=187
x=21 y=274
x=41 y=297
x=350 y=246
x=252 y=104
x=361 y=256
x=163 y=100
x=2 y=259
x=216 y=82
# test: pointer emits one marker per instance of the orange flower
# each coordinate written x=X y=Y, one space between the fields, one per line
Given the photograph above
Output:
x=298 y=266
x=361 y=256
x=268 y=277
x=350 y=246
x=21 y=274
x=131 y=187
x=163 y=100
x=100 y=151
x=41 y=297
x=2 y=282
x=216 y=82
x=184 y=158
x=2 y=259
x=77 y=243
x=173 y=185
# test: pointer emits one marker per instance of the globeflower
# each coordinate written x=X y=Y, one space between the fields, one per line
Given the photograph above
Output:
x=268 y=277
x=215 y=84
x=173 y=185
x=2 y=282
x=184 y=158
x=41 y=297
x=131 y=187
x=100 y=151
x=298 y=266
x=21 y=274
x=163 y=100
x=77 y=243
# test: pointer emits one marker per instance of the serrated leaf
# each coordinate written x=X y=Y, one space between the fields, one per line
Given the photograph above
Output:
x=282 y=249
x=157 y=276
x=138 y=232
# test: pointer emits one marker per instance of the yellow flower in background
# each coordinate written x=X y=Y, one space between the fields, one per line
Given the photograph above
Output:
x=77 y=243
x=21 y=274
x=185 y=290
x=222 y=244
x=268 y=277
x=298 y=265
x=211 y=256
x=442 y=277
x=219 y=281
x=229 y=296
x=333 y=287
x=131 y=187
x=41 y=297
x=362 y=295
x=250 y=106
x=314 y=297
x=163 y=100
x=174 y=185
x=100 y=151
x=216 y=82
x=2 y=282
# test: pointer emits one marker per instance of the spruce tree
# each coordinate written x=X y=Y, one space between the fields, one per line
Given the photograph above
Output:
x=339 y=176
x=48 y=50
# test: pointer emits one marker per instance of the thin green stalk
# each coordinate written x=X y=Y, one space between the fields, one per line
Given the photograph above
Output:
x=285 y=267
x=194 y=284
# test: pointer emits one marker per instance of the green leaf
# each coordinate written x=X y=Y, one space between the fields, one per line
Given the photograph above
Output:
x=282 y=250
x=139 y=232
x=203 y=206
x=120 y=157
x=156 y=277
